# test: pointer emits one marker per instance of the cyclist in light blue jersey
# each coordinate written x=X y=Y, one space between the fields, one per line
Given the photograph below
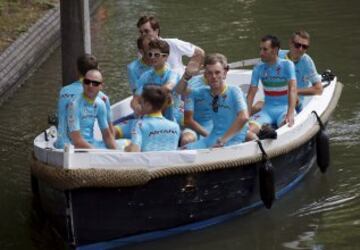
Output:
x=279 y=81
x=197 y=113
x=135 y=70
x=153 y=132
x=307 y=78
x=70 y=92
x=84 y=110
x=140 y=65
x=227 y=103
x=160 y=75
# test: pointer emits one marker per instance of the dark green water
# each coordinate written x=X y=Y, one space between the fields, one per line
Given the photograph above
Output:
x=323 y=212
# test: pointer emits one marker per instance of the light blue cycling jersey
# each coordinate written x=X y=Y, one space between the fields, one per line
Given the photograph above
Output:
x=224 y=112
x=306 y=73
x=135 y=69
x=68 y=93
x=275 y=79
x=196 y=103
x=82 y=113
x=155 y=133
x=174 y=112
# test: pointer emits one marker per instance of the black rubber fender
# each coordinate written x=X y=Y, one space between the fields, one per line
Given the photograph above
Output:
x=267 y=183
x=322 y=150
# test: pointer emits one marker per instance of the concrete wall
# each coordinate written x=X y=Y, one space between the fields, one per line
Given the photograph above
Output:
x=30 y=50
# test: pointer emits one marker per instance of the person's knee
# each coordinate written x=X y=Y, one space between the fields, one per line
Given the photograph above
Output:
x=187 y=138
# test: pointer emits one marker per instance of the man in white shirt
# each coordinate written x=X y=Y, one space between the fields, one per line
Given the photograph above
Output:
x=150 y=26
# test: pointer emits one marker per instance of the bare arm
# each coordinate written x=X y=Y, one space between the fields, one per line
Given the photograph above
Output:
x=292 y=97
x=236 y=126
x=79 y=141
x=316 y=89
x=250 y=97
x=194 y=125
x=108 y=138
x=192 y=68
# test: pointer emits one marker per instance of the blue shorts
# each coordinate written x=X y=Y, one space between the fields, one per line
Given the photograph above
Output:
x=272 y=115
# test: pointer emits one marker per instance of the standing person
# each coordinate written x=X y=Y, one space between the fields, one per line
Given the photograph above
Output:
x=307 y=78
x=279 y=81
x=150 y=26
x=84 y=110
x=140 y=65
x=153 y=132
x=84 y=63
x=227 y=103
x=135 y=69
x=160 y=74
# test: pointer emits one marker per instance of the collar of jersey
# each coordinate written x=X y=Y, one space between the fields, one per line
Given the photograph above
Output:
x=155 y=114
x=88 y=99
x=223 y=92
x=161 y=71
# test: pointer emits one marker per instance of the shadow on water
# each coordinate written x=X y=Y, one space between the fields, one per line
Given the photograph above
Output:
x=321 y=213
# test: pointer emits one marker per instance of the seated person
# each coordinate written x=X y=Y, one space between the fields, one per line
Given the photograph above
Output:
x=83 y=111
x=160 y=75
x=279 y=81
x=85 y=63
x=307 y=78
x=197 y=115
x=227 y=103
x=153 y=132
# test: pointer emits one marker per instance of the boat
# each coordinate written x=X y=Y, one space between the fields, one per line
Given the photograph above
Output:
x=101 y=199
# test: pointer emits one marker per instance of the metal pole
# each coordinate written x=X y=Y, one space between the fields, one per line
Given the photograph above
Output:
x=75 y=36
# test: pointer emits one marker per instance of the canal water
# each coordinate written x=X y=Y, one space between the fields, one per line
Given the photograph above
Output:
x=323 y=212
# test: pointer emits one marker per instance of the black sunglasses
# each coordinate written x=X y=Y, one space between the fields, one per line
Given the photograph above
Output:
x=156 y=54
x=93 y=83
x=215 y=104
x=298 y=45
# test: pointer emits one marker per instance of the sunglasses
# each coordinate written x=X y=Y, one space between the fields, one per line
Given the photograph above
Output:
x=93 y=83
x=298 y=45
x=215 y=104
x=156 y=54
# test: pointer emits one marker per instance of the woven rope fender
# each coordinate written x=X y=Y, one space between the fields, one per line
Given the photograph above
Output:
x=67 y=179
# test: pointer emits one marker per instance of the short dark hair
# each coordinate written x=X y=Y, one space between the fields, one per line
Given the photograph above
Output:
x=162 y=45
x=156 y=96
x=214 y=58
x=86 y=62
x=154 y=22
x=301 y=33
x=274 y=41
x=140 y=41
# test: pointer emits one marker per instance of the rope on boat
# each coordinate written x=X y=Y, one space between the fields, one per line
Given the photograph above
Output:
x=67 y=179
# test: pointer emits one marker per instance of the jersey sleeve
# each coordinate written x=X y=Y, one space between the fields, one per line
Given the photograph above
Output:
x=290 y=70
x=73 y=117
x=255 y=76
x=240 y=103
x=131 y=77
x=102 y=116
x=310 y=71
x=189 y=102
